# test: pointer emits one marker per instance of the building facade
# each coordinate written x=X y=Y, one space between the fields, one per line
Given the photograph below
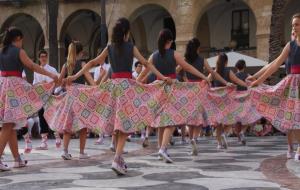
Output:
x=248 y=26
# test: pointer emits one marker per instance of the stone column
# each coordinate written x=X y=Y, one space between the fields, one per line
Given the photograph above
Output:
x=183 y=23
x=52 y=13
x=263 y=12
x=61 y=55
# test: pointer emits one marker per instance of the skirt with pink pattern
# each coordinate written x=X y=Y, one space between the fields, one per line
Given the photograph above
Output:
x=280 y=104
x=225 y=105
x=183 y=106
x=116 y=105
x=20 y=100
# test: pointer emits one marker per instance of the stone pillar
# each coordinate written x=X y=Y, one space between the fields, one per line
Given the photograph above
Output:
x=262 y=46
x=61 y=53
x=183 y=24
x=52 y=13
x=263 y=12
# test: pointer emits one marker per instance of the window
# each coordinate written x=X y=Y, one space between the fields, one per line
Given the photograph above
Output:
x=240 y=28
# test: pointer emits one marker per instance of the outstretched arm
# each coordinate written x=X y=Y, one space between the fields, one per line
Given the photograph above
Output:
x=138 y=55
x=187 y=67
x=214 y=74
x=97 y=61
x=236 y=80
x=273 y=67
x=35 y=67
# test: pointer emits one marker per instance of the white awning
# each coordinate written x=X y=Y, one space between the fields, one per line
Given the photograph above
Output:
x=233 y=57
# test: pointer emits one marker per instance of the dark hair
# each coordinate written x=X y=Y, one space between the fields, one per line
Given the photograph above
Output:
x=220 y=65
x=120 y=29
x=191 y=51
x=137 y=64
x=240 y=64
x=165 y=35
x=297 y=15
x=43 y=52
x=10 y=35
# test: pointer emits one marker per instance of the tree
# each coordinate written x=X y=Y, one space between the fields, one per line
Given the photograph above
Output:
x=276 y=28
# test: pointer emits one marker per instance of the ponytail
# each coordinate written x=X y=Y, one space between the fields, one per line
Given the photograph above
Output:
x=120 y=30
x=74 y=49
x=165 y=35
x=71 y=59
x=220 y=65
x=191 y=51
x=9 y=36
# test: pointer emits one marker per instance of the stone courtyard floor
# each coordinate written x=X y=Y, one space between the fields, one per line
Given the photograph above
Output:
x=261 y=165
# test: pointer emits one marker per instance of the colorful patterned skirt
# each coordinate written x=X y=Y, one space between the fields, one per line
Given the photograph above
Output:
x=116 y=105
x=280 y=104
x=183 y=106
x=20 y=100
x=226 y=105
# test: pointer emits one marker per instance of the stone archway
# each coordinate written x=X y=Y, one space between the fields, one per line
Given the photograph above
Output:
x=84 y=26
x=34 y=39
x=146 y=22
x=223 y=25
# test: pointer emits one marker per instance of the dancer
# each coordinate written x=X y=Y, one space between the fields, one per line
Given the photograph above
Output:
x=73 y=65
x=291 y=53
x=120 y=53
x=228 y=75
x=289 y=133
x=166 y=60
x=240 y=129
x=12 y=61
x=192 y=57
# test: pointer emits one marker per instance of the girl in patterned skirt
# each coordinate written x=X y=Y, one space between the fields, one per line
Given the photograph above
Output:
x=120 y=53
x=165 y=60
x=73 y=65
x=228 y=75
x=280 y=103
x=193 y=58
x=290 y=133
x=18 y=99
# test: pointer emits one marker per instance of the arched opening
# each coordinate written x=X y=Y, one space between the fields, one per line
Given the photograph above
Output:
x=292 y=8
x=146 y=22
x=34 y=39
x=226 y=25
x=84 y=26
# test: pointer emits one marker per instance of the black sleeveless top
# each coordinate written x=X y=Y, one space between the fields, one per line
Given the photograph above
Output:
x=242 y=76
x=225 y=76
x=166 y=64
x=198 y=64
x=77 y=68
x=10 y=60
x=293 y=61
x=121 y=61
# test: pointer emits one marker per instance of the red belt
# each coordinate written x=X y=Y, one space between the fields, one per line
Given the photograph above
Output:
x=295 y=69
x=11 y=74
x=195 y=80
x=172 y=76
x=127 y=75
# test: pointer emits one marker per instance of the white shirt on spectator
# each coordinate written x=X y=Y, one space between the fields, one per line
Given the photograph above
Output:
x=37 y=78
x=135 y=74
x=105 y=66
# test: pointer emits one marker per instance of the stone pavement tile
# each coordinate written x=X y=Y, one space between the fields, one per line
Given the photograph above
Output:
x=275 y=170
x=294 y=167
x=238 y=168
x=227 y=183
